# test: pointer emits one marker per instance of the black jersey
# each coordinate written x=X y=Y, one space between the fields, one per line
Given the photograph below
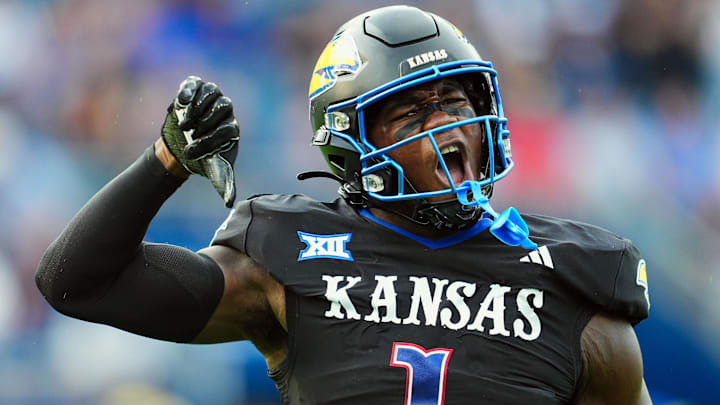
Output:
x=377 y=315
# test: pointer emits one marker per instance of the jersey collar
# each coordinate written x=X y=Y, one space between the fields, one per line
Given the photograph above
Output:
x=453 y=239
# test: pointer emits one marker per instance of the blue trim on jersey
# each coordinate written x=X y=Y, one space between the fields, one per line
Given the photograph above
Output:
x=481 y=225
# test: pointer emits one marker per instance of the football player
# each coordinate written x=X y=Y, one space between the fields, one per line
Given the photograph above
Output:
x=410 y=288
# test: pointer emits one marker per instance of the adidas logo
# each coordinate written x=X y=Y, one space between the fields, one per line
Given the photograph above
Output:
x=540 y=256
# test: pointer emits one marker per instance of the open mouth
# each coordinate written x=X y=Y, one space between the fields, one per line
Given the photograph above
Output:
x=456 y=163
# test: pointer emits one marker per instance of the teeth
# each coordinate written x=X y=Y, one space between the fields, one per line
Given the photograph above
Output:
x=449 y=149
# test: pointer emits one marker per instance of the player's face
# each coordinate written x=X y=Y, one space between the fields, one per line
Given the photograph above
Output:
x=422 y=108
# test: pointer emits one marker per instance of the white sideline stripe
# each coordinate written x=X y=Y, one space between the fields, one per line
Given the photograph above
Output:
x=545 y=254
x=525 y=259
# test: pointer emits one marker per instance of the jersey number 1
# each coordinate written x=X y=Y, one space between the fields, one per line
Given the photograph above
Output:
x=426 y=371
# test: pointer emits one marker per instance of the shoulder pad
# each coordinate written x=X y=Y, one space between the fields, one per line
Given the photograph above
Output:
x=265 y=227
x=605 y=268
x=233 y=231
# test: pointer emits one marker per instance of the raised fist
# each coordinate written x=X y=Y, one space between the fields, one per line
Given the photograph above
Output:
x=201 y=132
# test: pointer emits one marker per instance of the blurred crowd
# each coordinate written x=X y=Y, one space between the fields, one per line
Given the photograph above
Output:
x=613 y=107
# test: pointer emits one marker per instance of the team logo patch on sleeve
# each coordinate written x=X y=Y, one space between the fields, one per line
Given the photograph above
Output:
x=325 y=246
x=339 y=57
x=641 y=279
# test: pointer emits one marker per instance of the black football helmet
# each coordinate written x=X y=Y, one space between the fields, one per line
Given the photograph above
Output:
x=378 y=54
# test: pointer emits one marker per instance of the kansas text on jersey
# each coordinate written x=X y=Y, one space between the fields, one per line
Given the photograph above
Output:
x=377 y=315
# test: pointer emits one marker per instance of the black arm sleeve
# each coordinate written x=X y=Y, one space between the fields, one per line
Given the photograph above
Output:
x=99 y=269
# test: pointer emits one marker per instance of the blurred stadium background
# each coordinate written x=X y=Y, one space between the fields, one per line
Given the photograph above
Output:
x=613 y=106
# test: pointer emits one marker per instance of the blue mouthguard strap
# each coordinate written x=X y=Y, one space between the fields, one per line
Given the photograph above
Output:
x=508 y=227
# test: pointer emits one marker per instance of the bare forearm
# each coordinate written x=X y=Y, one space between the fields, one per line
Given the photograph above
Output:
x=168 y=160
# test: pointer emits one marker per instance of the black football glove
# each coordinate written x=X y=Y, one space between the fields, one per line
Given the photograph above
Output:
x=200 y=113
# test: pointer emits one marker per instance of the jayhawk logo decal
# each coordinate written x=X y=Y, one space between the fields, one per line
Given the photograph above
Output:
x=641 y=279
x=339 y=57
x=459 y=33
